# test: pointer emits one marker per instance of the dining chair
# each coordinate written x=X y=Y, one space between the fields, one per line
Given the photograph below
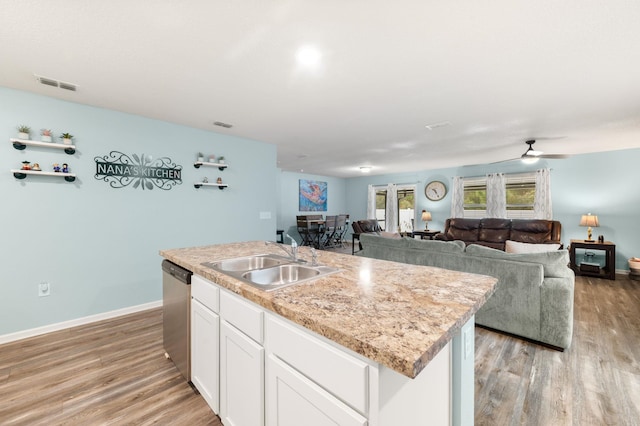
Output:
x=303 y=230
x=341 y=230
x=329 y=231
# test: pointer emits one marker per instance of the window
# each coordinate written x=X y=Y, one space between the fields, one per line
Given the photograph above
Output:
x=520 y=189
x=405 y=208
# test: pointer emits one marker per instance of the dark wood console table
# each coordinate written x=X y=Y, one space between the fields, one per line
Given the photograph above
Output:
x=609 y=269
x=425 y=233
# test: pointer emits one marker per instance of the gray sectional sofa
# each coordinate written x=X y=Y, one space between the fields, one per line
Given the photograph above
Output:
x=534 y=294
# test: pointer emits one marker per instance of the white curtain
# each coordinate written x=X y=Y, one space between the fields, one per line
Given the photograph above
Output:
x=457 y=197
x=542 y=200
x=391 y=211
x=496 y=195
x=371 y=202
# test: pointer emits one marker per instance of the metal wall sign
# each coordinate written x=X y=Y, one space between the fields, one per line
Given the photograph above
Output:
x=120 y=170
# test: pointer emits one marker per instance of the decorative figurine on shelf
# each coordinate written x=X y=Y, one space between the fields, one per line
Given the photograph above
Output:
x=205 y=180
x=26 y=165
x=219 y=180
x=56 y=167
x=65 y=168
x=36 y=167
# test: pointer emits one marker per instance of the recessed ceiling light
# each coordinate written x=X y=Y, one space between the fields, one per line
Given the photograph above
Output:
x=308 y=56
x=365 y=169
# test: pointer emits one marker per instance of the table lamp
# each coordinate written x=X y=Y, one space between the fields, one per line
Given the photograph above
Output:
x=426 y=217
x=589 y=220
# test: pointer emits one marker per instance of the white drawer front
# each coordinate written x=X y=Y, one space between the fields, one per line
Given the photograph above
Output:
x=336 y=371
x=206 y=292
x=243 y=315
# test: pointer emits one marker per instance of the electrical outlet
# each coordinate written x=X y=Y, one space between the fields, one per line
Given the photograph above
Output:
x=44 y=289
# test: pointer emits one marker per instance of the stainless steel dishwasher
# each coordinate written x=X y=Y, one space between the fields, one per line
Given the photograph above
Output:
x=176 y=318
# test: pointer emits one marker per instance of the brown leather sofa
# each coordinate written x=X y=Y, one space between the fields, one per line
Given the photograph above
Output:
x=494 y=232
x=364 y=226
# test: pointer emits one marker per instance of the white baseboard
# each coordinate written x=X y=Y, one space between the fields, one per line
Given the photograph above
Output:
x=12 y=337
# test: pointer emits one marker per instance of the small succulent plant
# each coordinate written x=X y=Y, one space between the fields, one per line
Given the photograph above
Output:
x=24 y=129
x=66 y=136
x=46 y=132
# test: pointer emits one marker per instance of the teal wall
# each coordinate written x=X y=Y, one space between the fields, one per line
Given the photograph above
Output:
x=288 y=207
x=605 y=184
x=98 y=246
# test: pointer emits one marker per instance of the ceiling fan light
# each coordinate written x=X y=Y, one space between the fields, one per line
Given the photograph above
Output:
x=529 y=159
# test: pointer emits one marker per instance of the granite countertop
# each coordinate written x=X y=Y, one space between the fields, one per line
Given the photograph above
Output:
x=396 y=314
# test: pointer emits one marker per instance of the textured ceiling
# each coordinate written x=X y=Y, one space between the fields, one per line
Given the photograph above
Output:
x=500 y=72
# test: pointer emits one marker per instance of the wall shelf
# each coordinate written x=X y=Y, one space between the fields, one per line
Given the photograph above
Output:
x=220 y=186
x=220 y=166
x=21 y=174
x=21 y=144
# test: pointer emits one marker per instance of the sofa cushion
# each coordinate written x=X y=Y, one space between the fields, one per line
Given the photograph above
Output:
x=494 y=230
x=518 y=247
x=463 y=229
x=531 y=231
x=554 y=262
x=440 y=246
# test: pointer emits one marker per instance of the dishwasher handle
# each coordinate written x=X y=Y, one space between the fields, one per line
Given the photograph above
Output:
x=178 y=272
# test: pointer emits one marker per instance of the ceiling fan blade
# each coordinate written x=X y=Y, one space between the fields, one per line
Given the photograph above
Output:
x=504 y=161
x=554 y=156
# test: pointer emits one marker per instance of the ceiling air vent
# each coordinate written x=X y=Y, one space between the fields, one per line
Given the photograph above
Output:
x=55 y=83
x=221 y=124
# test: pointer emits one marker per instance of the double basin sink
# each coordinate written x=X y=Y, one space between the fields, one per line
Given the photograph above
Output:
x=269 y=271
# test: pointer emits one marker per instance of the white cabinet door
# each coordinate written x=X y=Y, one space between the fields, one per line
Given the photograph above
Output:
x=293 y=400
x=205 y=365
x=241 y=378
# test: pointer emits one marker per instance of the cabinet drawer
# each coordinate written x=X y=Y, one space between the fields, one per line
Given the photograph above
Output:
x=336 y=371
x=243 y=315
x=206 y=292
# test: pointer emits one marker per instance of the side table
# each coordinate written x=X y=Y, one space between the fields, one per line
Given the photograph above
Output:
x=609 y=269
x=425 y=233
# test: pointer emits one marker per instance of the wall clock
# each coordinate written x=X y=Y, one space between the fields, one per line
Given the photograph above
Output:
x=435 y=190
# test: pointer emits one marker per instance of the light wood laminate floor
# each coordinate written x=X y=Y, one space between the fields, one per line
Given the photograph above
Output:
x=594 y=382
x=114 y=372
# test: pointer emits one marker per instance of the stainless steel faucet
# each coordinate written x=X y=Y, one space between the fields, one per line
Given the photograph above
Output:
x=294 y=248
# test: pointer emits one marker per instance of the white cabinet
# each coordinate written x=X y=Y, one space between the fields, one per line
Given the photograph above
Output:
x=293 y=399
x=242 y=378
x=205 y=340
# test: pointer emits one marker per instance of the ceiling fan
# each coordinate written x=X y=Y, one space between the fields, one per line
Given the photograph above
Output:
x=531 y=155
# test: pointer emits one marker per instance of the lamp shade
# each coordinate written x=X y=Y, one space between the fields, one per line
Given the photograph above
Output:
x=589 y=220
x=426 y=216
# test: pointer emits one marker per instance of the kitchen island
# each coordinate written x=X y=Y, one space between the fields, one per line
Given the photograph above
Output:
x=387 y=321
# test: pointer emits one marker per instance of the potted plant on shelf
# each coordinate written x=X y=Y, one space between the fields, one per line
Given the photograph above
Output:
x=212 y=158
x=23 y=131
x=221 y=159
x=66 y=138
x=46 y=135
x=201 y=157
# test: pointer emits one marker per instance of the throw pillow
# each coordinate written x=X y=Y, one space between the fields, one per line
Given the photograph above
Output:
x=390 y=234
x=518 y=247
